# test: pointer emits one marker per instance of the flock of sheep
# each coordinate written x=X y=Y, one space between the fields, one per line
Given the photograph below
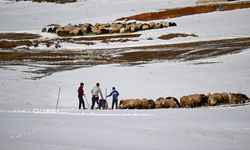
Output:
x=189 y=101
x=104 y=28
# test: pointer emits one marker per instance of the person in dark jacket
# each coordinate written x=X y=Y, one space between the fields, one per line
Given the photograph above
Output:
x=80 y=94
x=115 y=95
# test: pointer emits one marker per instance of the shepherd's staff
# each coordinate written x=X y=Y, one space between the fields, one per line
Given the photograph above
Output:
x=86 y=100
x=57 y=102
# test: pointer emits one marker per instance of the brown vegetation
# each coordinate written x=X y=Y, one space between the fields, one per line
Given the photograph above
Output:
x=18 y=36
x=183 y=51
x=51 y=1
x=11 y=44
x=175 y=35
x=178 y=12
x=23 y=39
x=186 y=51
x=107 y=37
x=54 y=58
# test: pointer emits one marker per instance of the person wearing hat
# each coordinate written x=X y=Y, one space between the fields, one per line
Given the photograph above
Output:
x=115 y=95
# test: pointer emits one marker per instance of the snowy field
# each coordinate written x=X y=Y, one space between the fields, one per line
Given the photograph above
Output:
x=28 y=119
x=174 y=129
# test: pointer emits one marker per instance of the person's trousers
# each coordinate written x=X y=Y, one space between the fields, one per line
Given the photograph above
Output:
x=94 y=99
x=114 y=103
x=81 y=102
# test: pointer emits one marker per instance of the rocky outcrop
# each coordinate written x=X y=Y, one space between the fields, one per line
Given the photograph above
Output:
x=104 y=28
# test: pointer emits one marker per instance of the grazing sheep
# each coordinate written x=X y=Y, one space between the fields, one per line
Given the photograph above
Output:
x=96 y=30
x=86 y=28
x=236 y=98
x=172 y=24
x=145 y=26
x=76 y=31
x=103 y=28
x=174 y=99
x=165 y=103
x=164 y=24
x=147 y=104
x=218 y=98
x=51 y=28
x=152 y=25
x=193 y=100
x=151 y=104
x=130 y=104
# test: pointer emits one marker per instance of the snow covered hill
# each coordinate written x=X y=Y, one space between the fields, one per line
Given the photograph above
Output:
x=28 y=119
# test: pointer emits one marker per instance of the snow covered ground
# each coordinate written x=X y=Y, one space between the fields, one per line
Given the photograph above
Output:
x=29 y=121
x=32 y=17
x=175 y=129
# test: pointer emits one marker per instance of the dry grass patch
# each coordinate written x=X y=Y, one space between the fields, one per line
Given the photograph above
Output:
x=12 y=44
x=176 y=35
x=51 y=1
x=105 y=38
x=54 y=58
x=150 y=55
x=185 y=11
x=18 y=36
x=186 y=51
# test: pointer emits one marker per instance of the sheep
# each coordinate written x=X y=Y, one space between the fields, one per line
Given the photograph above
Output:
x=218 y=98
x=236 y=98
x=174 y=99
x=147 y=104
x=165 y=103
x=130 y=104
x=193 y=100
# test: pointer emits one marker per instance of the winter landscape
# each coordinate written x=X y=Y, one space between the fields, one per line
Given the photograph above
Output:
x=182 y=47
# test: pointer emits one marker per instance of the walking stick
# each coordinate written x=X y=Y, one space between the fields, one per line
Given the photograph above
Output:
x=57 y=102
x=86 y=100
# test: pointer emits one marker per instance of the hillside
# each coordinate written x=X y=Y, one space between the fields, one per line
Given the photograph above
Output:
x=207 y=52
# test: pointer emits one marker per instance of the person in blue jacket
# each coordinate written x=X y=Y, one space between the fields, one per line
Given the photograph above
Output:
x=115 y=95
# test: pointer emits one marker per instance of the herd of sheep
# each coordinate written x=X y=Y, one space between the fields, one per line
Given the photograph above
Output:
x=189 y=101
x=104 y=28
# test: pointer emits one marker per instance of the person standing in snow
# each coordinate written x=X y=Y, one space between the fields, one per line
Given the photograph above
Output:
x=115 y=95
x=95 y=94
x=80 y=94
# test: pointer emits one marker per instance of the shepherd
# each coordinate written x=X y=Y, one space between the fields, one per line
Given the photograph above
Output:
x=95 y=94
x=115 y=95
x=80 y=94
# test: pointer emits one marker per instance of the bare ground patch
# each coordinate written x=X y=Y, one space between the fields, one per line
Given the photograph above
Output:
x=12 y=44
x=18 y=36
x=65 y=60
x=183 y=51
x=185 y=11
x=186 y=51
x=51 y=1
x=12 y=40
x=176 y=35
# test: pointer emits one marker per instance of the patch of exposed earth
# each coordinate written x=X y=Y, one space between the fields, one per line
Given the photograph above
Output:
x=15 y=47
x=55 y=61
x=185 y=11
x=51 y=1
